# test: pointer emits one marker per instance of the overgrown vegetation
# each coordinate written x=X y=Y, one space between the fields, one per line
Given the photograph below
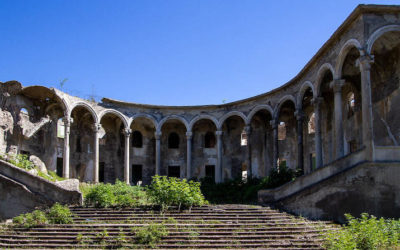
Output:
x=367 y=232
x=22 y=161
x=118 y=195
x=169 y=191
x=245 y=191
x=57 y=214
x=150 y=234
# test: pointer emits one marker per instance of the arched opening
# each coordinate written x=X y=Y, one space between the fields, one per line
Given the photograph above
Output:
x=327 y=117
x=385 y=83
x=173 y=140
x=111 y=148
x=287 y=134
x=261 y=139
x=81 y=161
x=233 y=161
x=209 y=140
x=311 y=124
x=173 y=148
x=137 y=139
x=204 y=150
x=351 y=102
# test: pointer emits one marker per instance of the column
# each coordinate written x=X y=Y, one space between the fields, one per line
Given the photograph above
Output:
x=274 y=125
x=96 y=130
x=365 y=66
x=318 y=142
x=158 y=152
x=67 y=130
x=247 y=129
x=300 y=155
x=189 y=136
x=337 y=85
x=218 y=169
x=127 y=133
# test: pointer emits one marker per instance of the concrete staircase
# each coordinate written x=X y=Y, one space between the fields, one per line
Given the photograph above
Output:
x=221 y=226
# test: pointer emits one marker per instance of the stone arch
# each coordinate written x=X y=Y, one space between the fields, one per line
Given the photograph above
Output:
x=258 y=108
x=202 y=117
x=117 y=113
x=351 y=43
x=172 y=117
x=229 y=114
x=143 y=115
x=88 y=107
x=321 y=72
x=281 y=102
x=378 y=33
x=306 y=85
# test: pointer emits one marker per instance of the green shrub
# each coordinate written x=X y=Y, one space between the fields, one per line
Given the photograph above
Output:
x=50 y=176
x=21 y=161
x=59 y=214
x=118 y=195
x=169 y=191
x=150 y=234
x=28 y=220
x=367 y=232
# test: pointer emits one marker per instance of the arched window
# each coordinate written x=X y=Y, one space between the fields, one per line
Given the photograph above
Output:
x=311 y=124
x=243 y=138
x=78 y=145
x=282 y=131
x=209 y=140
x=173 y=140
x=137 y=139
x=60 y=128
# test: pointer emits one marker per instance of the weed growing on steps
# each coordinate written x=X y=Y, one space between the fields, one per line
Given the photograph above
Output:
x=150 y=234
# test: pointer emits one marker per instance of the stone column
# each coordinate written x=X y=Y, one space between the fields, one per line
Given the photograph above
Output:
x=67 y=130
x=365 y=62
x=96 y=130
x=189 y=136
x=127 y=133
x=218 y=170
x=337 y=85
x=247 y=129
x=158 y=152
x=274 y=125
x=300 y=155
x=318 y=140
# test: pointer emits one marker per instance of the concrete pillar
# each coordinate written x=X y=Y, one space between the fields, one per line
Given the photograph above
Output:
x=158 y=152
x=96 y=130
x=247 y=129
x=318 y=140
x=274 y=125
x=218 y=170
x=127 y=133
x=300 y=155
x=189 y=136
x=364 y=63
x=67 y=129
x=337 y=85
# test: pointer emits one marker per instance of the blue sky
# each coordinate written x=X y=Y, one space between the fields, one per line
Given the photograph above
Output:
x=185 y=52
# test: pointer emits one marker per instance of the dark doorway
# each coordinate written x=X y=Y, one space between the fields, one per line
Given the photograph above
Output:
x=136 y=174
x=101 y=171
x=59 y=169
x=174 y=171
x=210 y=172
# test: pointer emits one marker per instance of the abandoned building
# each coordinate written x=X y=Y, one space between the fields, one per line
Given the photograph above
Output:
x=340 y=111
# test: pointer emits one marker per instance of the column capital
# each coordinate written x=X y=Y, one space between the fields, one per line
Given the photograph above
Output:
x=299 y=114
x=218 y=132
x=158 y=134
x=67 y=121
x=365 y=61
x=189 y=135
x=337 y=85
x=96 y=127
x=127 y=132
x=273 y=123
x=247 y=129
